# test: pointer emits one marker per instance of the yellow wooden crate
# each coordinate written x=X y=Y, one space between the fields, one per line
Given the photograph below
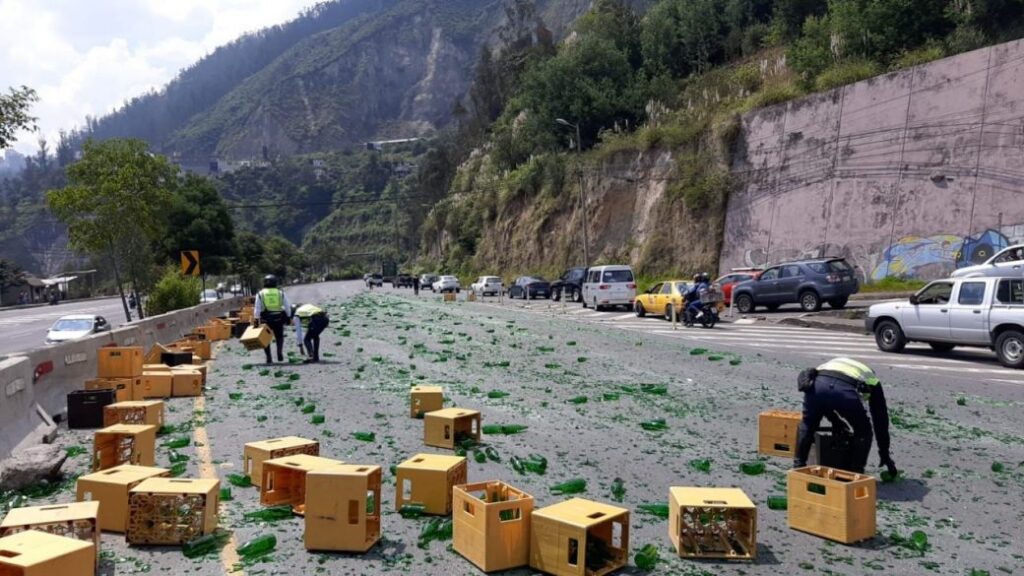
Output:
x=284 y=479
x=78 y=520
x=111 y=488
x=145 y=412
x=343 y=508
x=579 y=537
x=776 y=433
x=119 y=362
x=449 y=427
x=254 y=454
x=714 y=523
x=124 y=444
x=172 y=511
x=831 y=503
x=35 y=553
x=423 y=399
x=491 y=525
x=428 y=479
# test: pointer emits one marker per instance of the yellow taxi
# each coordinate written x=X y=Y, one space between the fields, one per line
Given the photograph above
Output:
x=662 y=298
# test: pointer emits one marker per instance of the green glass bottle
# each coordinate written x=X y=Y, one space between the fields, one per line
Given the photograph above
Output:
x=309 y=408
x=518 y=465
x=270 y=514
x=258 y=546
x=647 y=558
x=919 y=541
x=536 y=463
x=177 y=469
x=412 y=511
x=281 y=387
x=239 y=480
x=656 y=425
x=778 y=503
x=574 y=486
x=479 y=456
x=364 y=436
x=492 y=454
x=176 y=457
x=492 y=429
x=225 y=495
x=512 y=428
x=205 y=544
x=618 y=489
x=659 y=510
x=496 y=394
x=235 y=396
x=317 y=419
x=177 y=443
x=701 y=464
x=752 y=468
x=578 y=400
x=609 y=396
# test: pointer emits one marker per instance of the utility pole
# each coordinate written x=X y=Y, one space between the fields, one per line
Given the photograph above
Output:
x=583 y=193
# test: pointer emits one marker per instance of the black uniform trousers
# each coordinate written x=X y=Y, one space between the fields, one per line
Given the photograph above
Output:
x=839 y=402
x=317 y=324
x=275 y=321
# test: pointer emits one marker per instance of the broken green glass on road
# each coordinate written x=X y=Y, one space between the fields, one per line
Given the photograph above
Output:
x=271 y=514
x=574 y=486
x=656 y=425
x=647 y=557
x=654 y=509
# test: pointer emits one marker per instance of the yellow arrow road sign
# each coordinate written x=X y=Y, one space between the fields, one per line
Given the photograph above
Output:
x=190 y=262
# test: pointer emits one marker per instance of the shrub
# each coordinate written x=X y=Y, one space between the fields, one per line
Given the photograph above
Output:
x=923 y=55
x=845 y=73
x=774 y=94
x=173 y=292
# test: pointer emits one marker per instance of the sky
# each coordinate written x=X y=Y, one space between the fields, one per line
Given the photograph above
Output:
x=87 y=57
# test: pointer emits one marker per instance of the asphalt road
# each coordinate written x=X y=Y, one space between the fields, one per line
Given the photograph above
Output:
x=25 y=328
x=583 y=384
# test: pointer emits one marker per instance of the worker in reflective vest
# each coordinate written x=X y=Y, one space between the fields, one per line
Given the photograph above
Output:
x=836 y=390
x=272 y=309
x=312 y=321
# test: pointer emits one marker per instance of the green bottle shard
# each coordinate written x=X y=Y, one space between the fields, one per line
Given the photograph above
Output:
x=257 y=547
x=998 y=467
x=698 y=351
x=412 y=511
x=294 y=377
x=205 y=544
x=176 y=457
x=778 y=503
x=888 y=478
x=479 y=456
x=647 y=558
x=235 y=396
x=492 y=454
x=317 y=419
x=578 y=400
x=609 y=396
x=177 y=443
x=618 y=489
x=309 y=408
x=495 y=394
x=178 y=469
x=435 y=529
x=659 y=510
x=271 y=514
x=754 y=468
x=656 y=390
x=701 y=464
x=364 y=436
x=239 y=480
x=504 y=428
x=225 y=495
x=656 y=425
x=282 y=387
x=574 y=486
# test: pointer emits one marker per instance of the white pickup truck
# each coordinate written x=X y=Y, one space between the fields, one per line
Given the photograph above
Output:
x=979 y=312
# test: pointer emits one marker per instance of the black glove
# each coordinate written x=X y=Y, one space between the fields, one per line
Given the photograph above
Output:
x=890 y=466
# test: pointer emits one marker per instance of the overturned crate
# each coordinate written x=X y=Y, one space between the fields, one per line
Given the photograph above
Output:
x=186 y=381
x=284 y=479
x=579 y=537
x=423 y=399
x=124 y=444
x=172 y=511
x=831 y=503
x=450 y=427
x=34 y=553
x=343 y=508
x=111 y=489
x=256 y=337
x=78 y=520
x=140 y=412
x=428 y=480
x=714 y=523
x=256 y=453
x=491 y=525
x=777 y=433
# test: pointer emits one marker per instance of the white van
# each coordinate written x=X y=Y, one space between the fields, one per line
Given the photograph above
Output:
x=609 y=286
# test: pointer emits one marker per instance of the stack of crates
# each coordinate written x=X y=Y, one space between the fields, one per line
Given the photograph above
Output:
x=35 y=553
x=172 y=511
x=831 y=503
x=77 y=520
x=117 y=368
x=256 y=453
x=124 y=444
x=144 y=412
x=491 y=525
x=343 y=508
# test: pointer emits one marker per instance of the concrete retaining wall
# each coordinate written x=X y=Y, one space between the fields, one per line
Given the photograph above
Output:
x=914 y=174
x=35 y=384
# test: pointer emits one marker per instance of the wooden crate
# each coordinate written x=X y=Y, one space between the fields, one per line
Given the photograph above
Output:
x=155 y=354
x=124 y=444
x=449 y=296
x=186 y=381
x=35 y=553
x=257 y=337
x=144 y=412
x=428 y=479
x=256 y=453
x=123 y=387
x=776 y=433
x=119 y=362
x=172 y=511
x=343 y=508
x=197 y=344
x=715 y=523
x=447 y=428
x=831 y=503
x=423 y=399
x=78 y=520
x=579 y=537
x=153 y=385
x=491 y=525
x=111 y=489
x=284 y=479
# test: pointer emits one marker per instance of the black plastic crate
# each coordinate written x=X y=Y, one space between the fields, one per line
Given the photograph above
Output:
x=834 y=450
x=85 y=407
x=176 y=358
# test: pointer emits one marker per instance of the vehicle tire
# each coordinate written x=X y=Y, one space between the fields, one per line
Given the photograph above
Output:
x=639 y=309
x=556 y=295
x=745 y=304
x=584 y=303
x=889 y=336
x=941 y=346
x=809 y=301
x=576 y=295
x=668 y=312
x=1010 y=349
x=838 y=303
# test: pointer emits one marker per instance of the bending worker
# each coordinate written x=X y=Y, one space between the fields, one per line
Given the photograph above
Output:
x=311 y=320
x=835 y=390
x=272 y=309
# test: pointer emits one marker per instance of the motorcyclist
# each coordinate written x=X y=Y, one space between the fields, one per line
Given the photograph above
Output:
x=693 y=303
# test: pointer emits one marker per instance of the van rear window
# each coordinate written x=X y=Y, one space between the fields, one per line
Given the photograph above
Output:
x=612 y=276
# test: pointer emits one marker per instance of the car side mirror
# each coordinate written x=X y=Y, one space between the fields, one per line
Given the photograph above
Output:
x=913 y=299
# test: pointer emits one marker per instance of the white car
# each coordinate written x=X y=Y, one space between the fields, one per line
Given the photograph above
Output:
x=76 y=326
x=1006 y=263
x=447 y=284
x=487 y=285
x=209 y=296
x=607 y=286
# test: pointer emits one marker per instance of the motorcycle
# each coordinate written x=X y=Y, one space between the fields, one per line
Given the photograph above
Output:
x=707 y=316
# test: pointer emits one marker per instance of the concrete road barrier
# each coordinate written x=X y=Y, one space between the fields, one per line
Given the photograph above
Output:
x=22 y=421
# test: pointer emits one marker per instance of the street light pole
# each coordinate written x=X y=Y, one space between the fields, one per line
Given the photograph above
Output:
x=583 y=193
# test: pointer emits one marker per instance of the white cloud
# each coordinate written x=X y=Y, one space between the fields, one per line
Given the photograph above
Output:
x=89 y=58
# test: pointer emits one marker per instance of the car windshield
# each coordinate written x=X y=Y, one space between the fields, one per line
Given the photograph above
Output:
x=531 y=279
x=68 y=325
x=617 y=276
x=492 y=279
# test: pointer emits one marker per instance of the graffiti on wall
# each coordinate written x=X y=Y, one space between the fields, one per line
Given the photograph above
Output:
x=939 y=255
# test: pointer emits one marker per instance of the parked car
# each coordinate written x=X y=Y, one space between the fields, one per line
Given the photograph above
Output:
x=209 y=296
x=609 y=286
x=375 y=280
x=402 y=281
x=569 y=284
x=737 y=275
x=804 y=282
x=662 y=299
x=982 y=312
x=76 y=326
x=529 y=288
x=446 y=284
x=487 y=286
x=1008 y=262
x=427 y=281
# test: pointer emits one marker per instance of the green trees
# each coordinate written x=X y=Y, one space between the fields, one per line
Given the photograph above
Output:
x=173 y=292
x=115 y=205
x=198 y=219
x=10 y=275
x=14 y=113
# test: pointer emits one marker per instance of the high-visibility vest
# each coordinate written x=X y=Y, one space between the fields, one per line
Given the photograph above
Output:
x=305 y=312
x=856 y=371
x=272 y=299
